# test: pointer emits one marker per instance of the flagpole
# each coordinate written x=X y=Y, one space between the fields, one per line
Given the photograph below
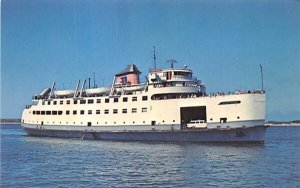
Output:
x=262 y=77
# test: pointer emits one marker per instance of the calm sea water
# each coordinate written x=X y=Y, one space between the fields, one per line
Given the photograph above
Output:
x=51 y=162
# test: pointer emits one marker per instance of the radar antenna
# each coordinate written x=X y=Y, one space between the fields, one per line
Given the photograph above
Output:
x=172 y=61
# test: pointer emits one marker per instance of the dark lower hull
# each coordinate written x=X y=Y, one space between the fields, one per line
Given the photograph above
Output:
x=252 y=134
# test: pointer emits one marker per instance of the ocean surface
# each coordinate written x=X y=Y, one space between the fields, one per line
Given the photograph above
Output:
x=51 y=162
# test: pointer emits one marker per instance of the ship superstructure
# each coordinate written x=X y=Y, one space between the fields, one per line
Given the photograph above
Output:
x=172 y=105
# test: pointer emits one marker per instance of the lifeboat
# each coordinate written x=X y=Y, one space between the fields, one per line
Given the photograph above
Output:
x=64 y=93
x=97 y=91
x=131 y=88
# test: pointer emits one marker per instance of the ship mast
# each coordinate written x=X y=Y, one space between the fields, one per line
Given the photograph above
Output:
x=154 y=57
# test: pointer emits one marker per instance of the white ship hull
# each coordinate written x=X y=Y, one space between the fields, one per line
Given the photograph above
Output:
x=163 y=110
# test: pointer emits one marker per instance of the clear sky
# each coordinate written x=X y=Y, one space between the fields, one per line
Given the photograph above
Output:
x=222 y=41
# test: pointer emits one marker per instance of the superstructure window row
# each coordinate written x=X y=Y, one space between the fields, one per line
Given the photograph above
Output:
x=82 y=112
x=92 y=101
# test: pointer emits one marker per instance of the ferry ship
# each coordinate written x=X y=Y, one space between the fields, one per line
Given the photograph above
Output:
x=172 y=105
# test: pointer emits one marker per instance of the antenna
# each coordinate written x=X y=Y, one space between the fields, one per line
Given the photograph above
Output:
x=154 y=57
x=262 y=77
x=172 y=61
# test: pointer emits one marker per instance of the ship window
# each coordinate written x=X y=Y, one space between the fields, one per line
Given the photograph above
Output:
x=54 y=112
x=116 y=99
x=223 y=120
x=81 y=112
x=229 y=102
x=43 y=112
x=38 y=112
x=48 y=112
x=90 y=112
x=144 y=109
x=75 y=101
x=60 y=112
x=82 y=101
x=124 y=111
x=61 y=102
x=33 y=112
x=125 y=99
x=54 y=102
x=68 y=101
x=107 y=100
x=67 y=112
x=91 y=101
x=134 y=98
x=74 y=112
x=133 y=110
x=144 y=98
x=115 y=111
x=98 y=100
x=97 y=111
x=106 y=111
x=49 y=102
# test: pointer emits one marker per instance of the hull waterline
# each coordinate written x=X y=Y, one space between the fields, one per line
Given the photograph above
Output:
x=249 y=135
